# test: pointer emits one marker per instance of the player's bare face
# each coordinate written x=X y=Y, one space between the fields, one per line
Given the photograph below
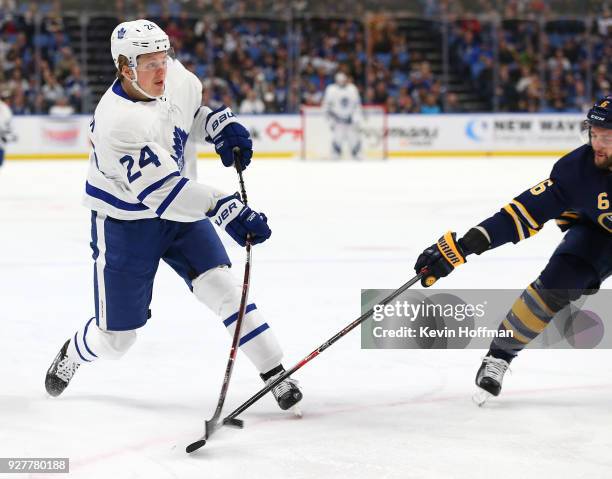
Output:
x=152 y=69
x=601 y=140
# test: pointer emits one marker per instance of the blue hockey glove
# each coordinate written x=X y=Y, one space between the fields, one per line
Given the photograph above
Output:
x=239 y=221
x=226 y=132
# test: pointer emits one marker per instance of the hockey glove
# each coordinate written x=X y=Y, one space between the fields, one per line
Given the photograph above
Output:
x=225 y=132
x=239 y=221
x=440 y=259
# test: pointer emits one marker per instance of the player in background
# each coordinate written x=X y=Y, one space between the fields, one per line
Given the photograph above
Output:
x=146 y=207
x=6 y=135
x=342 y=107
x=578 y=194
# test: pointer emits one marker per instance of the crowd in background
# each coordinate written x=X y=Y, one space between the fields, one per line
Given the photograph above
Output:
x=39 y=70
x=539 y=67
x=267 y=64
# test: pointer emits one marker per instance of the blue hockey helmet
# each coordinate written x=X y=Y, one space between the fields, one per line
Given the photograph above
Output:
x=600 y=113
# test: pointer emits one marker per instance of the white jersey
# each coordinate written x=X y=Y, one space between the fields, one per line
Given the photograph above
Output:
x=6 y=117
x=342 y=103
x=143 y=159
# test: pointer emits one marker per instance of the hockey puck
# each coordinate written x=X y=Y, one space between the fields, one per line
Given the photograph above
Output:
x=195 y=446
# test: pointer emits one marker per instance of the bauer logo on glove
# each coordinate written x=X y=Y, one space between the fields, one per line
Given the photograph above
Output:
x=240 y=221
x=223 y=129
x=224 y=214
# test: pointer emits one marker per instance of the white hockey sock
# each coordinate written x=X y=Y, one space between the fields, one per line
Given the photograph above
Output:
x=220 y=290
x=257 y=340
x=90 y=343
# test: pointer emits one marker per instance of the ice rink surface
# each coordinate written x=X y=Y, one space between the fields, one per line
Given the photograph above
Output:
x=337 y=228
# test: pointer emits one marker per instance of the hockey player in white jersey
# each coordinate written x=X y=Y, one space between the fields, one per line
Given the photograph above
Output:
x=342 y=107
x=6 y=116
x=146 y=207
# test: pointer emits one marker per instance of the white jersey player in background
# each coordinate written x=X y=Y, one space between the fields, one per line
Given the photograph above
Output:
x=146 y=206
x=6 y=135
x=342 y=107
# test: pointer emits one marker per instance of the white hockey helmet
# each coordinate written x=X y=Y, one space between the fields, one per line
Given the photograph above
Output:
x=137 y=37
x=341 y=79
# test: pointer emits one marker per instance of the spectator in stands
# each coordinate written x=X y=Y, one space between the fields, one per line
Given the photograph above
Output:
x=601 y=84
x=506 y=90
x=63 y=61
x=17 y=103
x=76 y=88
x=452 y=104
x=40 y=64
x=61 y=107
x=559 y=61
x=270 y=101
x=604 y=22
x=252 y=103
x=312 y=95
x=430 y=105
x=405 y=102
x=577 y=100
x=17 y=81
x=51 y=90
x=529 y=90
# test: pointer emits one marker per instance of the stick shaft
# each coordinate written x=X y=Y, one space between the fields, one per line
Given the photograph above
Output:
x=243 y=303
x=253 y=399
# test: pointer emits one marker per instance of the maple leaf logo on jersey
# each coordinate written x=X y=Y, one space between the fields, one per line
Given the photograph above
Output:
x=180 y=138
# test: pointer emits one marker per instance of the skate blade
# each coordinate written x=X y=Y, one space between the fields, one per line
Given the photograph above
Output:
x=297 y=412
x=481 y=397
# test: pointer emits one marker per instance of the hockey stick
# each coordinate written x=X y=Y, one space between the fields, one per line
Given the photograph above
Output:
x=231 y=419
x=213 y=423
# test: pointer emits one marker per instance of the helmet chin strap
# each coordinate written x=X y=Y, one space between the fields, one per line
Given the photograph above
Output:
x=136 y=86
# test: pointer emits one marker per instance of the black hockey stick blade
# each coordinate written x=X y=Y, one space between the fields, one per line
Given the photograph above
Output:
x=210 y=427
x=233 y=422
x=194 y=446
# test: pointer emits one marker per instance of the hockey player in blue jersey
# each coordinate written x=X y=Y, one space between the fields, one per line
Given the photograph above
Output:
x=578 y=194
x=146 y=207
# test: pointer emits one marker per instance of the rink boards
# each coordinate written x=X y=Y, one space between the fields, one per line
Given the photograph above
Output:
x=280 y=136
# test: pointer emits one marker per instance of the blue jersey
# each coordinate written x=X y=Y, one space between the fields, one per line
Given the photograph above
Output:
x=576 y=191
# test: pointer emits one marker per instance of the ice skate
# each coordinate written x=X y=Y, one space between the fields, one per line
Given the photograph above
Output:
x=489 y=379
x=60 y=372
x=287 y=393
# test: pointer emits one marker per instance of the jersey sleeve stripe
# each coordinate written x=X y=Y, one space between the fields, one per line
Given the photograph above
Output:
x=175 y=191
x=517 y=223
x=155 y=186
x=525 y=214
x=112 y=200
x=523 y=225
